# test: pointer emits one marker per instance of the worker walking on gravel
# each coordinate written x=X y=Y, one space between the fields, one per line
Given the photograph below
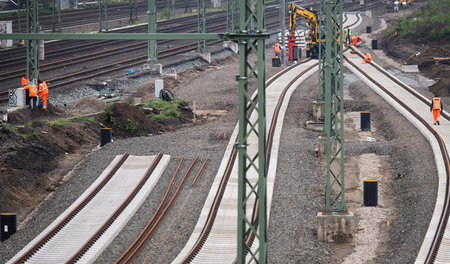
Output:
x=348 y=34
x=436 y=106
x=24 y=83
x=43 y=93
x=32 y=91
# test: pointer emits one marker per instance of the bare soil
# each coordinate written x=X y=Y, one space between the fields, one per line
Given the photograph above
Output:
x=431 y=57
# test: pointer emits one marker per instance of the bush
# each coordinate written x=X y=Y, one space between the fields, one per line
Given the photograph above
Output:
x=166 y=109
x=130 y=125
x=109 y=114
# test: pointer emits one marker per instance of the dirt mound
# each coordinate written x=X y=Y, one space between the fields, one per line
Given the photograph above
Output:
x=126 y=120
x=441 y=87
x=428 y=54
x=25 y=114
x=87 y=105
x=29 y=153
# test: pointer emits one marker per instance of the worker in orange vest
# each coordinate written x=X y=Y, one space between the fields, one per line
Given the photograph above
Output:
x=436 y=106
x=25 y=80
x=24 y=83
x=43 y=93
x=32 y=90
x=367 y=59
x=277 y=50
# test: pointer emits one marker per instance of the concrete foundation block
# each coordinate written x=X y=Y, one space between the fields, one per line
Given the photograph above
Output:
x=231 y=45
x=206 y=56
x=173 y=73
x=314 y=125
x=157 y=67
x=336 y=227
x=322 y=146
x=17 y=97
x=319 y=110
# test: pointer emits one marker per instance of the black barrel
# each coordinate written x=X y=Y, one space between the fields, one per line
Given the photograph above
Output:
x=368 y=29
x=8 y=222
x=374 y=44
x=365 y=121
x=294 y=53
x=370 y=193
x=105 y=136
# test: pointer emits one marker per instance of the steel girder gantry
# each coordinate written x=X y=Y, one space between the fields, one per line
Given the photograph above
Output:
x=251 y=37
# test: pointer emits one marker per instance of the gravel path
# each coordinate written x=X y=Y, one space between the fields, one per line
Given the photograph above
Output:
x=299 y=187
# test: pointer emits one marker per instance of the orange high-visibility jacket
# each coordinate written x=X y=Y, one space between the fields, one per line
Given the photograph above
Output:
x=436 y=104
x=368 y=57
x=24 y=82
x=33 y=90
x=277 y=48
x=43 y=89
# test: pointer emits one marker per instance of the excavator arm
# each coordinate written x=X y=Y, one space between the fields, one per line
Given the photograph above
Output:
x=310 y=17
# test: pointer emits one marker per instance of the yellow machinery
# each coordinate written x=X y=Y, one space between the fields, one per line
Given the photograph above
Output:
x=312 y=46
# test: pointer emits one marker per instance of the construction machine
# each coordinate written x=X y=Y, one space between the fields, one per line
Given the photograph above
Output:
x=312 y=40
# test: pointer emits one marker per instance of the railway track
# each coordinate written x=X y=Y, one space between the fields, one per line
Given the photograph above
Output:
x=414 y=106
x=88 y=226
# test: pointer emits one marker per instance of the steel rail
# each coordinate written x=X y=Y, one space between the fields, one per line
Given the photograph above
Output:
x=130 y=254
x=221 y=190
x=200 y=172
x=434 y=249
x=127 y=252
x=119 y=210
x=72 y=213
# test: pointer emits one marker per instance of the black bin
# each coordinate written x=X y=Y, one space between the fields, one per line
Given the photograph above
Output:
x=105 y=136
x=365 y=121
x=370 y=193
x=368 y=29
x=276 y=62
x=8 y=222
x=374 y=44
x=294 y=53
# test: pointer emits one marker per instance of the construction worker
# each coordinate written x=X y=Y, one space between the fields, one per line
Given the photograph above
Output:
x=277 y=50
x=25 y=80
x=32 y=91
x=348 y=34
x=43 y=93
x=436 y=106
x=24 y=83
x=367 y=59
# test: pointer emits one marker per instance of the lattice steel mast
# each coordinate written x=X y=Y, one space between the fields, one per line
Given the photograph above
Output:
x=332 y=70
x=252 y=15
x=32 y=45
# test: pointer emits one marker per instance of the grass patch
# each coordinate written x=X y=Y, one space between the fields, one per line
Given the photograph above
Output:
x=166 y=109
x=59 y=122
x=130 y=125
x=89 y=119
x=15 y=131
x=109 y=114
x=430 y=23
x=11 y=128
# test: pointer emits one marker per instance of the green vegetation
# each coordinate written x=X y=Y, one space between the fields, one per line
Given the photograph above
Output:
x=59 y=122
x=12 y=128
x=15 y=130
x=430 y=23
x=29 y=124
x=130 y=125
x=85 y=119
x=166 y=109
x=164 y=14
x=109 y=114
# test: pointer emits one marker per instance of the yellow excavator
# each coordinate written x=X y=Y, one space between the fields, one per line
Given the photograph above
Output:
x=312 y=45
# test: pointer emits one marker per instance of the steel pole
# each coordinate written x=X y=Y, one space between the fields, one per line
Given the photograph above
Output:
x=201 y=18
x=152 y=44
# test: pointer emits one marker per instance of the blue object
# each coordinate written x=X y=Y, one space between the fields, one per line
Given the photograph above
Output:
x=131 y=71
x=30 y=83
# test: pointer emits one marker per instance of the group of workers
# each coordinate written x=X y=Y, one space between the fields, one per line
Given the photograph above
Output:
x=32 y=91
x=349 y=39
